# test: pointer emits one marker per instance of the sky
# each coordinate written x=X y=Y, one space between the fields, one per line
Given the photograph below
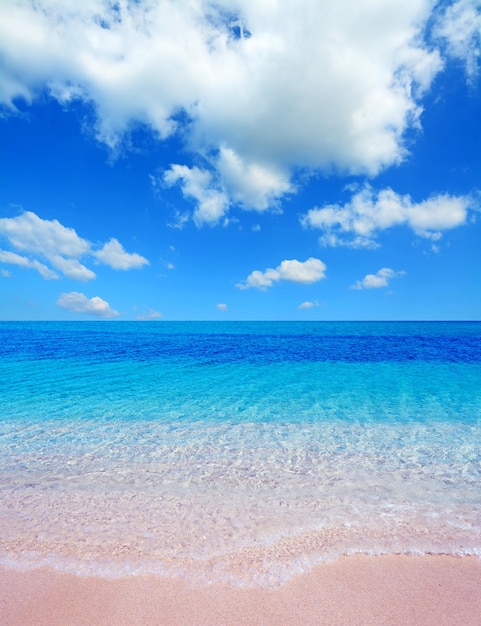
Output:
x=240 y=160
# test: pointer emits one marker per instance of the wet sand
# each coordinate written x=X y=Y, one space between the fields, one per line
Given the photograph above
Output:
x=356 y=590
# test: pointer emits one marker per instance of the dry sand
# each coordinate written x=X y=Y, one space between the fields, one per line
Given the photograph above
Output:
x=357 y=590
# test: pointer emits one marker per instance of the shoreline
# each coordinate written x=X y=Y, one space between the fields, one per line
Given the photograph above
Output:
x=392 y=590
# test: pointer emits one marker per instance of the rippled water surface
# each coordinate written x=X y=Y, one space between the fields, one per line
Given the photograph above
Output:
x=242 y=452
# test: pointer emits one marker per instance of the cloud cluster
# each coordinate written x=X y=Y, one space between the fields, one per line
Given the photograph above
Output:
x=12 y=258
x=295 y=271
x=60 y=247
x=460 y=28
x=254 y=186
x=357 y=223
x=257 y=90
x=197 y=184
x=380 y=279
x=79 y=303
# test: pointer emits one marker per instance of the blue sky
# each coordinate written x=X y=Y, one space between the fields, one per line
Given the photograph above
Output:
x=240 y=159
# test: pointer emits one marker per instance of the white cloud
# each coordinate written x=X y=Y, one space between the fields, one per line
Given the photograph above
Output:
x=79 y=303
x=30 y=233
x=357 y=223
x=459 y=26
x=5 y=273
x=16 y=259
x=212 y=203
x=334 y=86
x=71 y=268
x=308 y=305
x=253 y=185
x=60 y=246
x=306 y=272
x=380 y=279
x=180 y=219
x=150 y=315
x=222 y=307
x=114 y=255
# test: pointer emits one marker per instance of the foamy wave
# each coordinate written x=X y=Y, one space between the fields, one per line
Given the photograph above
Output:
x=263 y=565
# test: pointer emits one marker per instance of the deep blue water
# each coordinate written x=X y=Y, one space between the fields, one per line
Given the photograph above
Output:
x=251 y=342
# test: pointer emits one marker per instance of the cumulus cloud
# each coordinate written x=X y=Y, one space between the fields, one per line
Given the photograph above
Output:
x=380 y=279
x=357 y=223
x=114 y=255
x=254 y=185
x=257 y=90
x=79 y=303
x=60 y=246
x=71 y=268
x=16 y=259
x=459 y=26
x=30 y=233
x=212 y=203
x=308 y=305
x=222 y=307
x=295 y=271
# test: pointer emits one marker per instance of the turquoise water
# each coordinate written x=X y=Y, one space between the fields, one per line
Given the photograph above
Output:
x=242 y=452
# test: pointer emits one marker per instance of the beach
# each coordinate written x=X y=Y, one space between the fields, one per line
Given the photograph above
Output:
x=359 y=590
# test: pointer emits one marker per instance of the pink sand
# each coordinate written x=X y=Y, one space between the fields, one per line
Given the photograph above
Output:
x=358 y=590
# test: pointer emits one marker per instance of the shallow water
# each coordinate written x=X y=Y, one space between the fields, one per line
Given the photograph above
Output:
x=242 y=452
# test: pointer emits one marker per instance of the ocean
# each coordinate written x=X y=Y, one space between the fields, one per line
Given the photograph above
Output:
x=242 y=452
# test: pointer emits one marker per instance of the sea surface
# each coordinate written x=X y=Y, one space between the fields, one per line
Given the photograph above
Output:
x=242 y=452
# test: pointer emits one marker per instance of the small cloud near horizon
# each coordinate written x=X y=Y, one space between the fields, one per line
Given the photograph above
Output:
x=308 y=305
x=378 y=280
x=77 y=302
x=150 y=315
x=304 y=272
